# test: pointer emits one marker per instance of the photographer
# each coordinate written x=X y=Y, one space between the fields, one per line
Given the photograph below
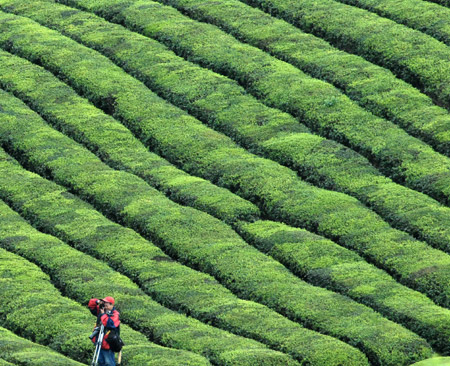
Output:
x=108 y=316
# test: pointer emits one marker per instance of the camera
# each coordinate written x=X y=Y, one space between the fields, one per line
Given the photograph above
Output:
x=101 y=304
x=95 y=333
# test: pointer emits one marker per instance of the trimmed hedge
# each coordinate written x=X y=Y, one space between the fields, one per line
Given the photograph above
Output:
x=413 y=56
x=31 y=306
x=54 y=210
x=115 y=144
x=319 y=105
x=322 y=162
x=436 y=360
x=202 y=241
x=426 y=17
x=323 y=263
x=277 y=190
x=26 y=353
x=373 y=87
x=81 y=277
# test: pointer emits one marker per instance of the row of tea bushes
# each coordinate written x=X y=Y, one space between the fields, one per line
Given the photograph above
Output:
x=54 y=210
x=219 y=100
x=23 y=352
x=202 y=241
x=323 y=263
x=31 y=306
x=373 y=87
x=323 y=162
x=413 y=56
x=113 y=142
x=424 y=16
x=69 y=269
x=277 y=190
x=402 y=157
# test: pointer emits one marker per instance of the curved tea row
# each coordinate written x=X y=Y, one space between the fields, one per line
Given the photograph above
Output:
x=36 y=308
x=202 y=241
x=323 y=162
x=434 y=332
x=69 y=268
x=277 y=190
x=318 y=104
x=424 y=16
x=21 y=351
x=56 y=211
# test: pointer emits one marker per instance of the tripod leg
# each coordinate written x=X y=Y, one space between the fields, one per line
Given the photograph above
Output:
x=96 y=354
x=98 y=346
x=95 y=357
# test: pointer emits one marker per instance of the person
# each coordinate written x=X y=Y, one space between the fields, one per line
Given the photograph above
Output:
x=107 y=315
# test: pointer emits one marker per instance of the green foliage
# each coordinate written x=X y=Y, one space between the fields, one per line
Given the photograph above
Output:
x=22 y=351
x=111 y=141
x=5 y=363
x=82 y=277
x=184 y=140
x=404 y=158
x=426 y=17
x=411 y=55
x=203 y=242
x=371 y=86
x=196 y=238
x=36 y=310
x=56 y=211
x=435 y=361
x=326 y=264
x=442 y=2
x=335 y=168
x=222 y=104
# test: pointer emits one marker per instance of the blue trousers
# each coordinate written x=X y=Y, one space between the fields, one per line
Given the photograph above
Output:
x=106 y=358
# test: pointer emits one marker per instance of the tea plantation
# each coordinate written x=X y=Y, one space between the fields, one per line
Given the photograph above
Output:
x=255 y=182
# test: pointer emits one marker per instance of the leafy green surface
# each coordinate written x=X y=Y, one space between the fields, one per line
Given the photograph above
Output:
x=326 y=264
x=115 y=144
x=435 y=361
x=318 y=104
x=373 y=87
x=5 y=363
x=37 y=310
x=429 y=18
x=23 y=352
x=231 y=169
x=53 y=209
x=276 y=189
x=202 y=241
x=200 y=150
x=82 y=277
x=281 y=138
x=413 y=56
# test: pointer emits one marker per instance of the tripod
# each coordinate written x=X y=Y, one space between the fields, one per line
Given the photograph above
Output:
x=98 y=346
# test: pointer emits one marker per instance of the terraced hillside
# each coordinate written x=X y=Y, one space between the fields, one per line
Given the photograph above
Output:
x=254 y=182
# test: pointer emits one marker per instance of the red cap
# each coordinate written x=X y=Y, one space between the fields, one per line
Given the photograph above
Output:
x=109 y=299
